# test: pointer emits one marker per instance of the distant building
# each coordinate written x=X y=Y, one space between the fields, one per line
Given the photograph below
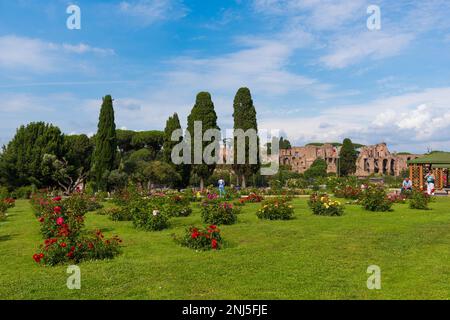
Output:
x=374 y=159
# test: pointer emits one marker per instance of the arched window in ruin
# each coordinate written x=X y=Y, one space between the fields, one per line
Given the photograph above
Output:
x=392 y=171
x=385 y=166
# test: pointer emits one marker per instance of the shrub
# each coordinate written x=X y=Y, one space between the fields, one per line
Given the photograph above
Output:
x=397 y=198
x=23 y=192
x=322 y=205
x=348 y=192
x=150 y=219
x=62 y=250
x=177 y=210
x=217 y=213
x=201 y=239
x=61 y=226
x=253 y=198
x=80 y=203
x=119 y=214
x=374 y=198
x=58 y=221
x=419 y=200
x=275 y=209
x=177 y=206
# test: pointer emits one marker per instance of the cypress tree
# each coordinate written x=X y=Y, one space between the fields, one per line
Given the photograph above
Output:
x=172 y=124
x=347 y=158
x=203 y=111
x=105 y=144
x=244 y=118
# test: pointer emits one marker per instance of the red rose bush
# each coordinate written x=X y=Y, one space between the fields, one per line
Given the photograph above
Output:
x=208 y=238
x=62 y=226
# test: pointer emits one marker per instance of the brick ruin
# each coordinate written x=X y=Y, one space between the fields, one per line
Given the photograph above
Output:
x=375 y=159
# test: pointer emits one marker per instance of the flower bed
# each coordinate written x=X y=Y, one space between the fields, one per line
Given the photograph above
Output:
x=275 y=209
x=322 y=205
x=208 y=238
x=217 y=213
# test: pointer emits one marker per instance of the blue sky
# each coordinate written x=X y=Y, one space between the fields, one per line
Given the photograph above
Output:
x=315 y=70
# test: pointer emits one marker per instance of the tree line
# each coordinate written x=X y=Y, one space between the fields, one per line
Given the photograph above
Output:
x=42 y=156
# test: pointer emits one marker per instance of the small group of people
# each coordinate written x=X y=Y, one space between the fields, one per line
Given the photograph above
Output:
x=407 y=185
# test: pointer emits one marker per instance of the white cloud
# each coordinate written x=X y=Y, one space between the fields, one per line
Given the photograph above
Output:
x=316 y=14
x=261 y=64
x=38 y=55
x=84 y=48
x=151 y=11
x=348 y=50
x=412 y=120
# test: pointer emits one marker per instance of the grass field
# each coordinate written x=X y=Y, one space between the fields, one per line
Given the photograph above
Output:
x=309 y=257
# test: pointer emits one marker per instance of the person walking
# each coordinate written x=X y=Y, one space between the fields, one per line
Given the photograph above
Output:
x=430 y=183
x=221 y=184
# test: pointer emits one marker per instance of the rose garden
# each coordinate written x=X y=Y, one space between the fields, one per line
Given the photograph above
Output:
x=140 y=227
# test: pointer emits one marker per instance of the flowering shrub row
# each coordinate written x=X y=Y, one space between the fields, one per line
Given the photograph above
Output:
x=322 y=205
x=275 y=209
x=208 y=238
x=6 y=204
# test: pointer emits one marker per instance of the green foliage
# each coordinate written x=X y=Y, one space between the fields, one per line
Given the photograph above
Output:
x=204 y=112
x=150 y=218
x=124 y=138
x=347 y=158
x=201 y=238
x=275 y=209
x=161 y=173
x=23 y=192
x=78 y=151
x=318 y=169
x=374 y=198
x=217 y=213
x=21 y=160
x=152 y=140
x=322 y=205
x=105 y=145
x=419 y=200
x=244 y=116
x=117 y=180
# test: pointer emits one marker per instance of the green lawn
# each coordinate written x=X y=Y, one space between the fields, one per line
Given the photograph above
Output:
x=309 y=257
